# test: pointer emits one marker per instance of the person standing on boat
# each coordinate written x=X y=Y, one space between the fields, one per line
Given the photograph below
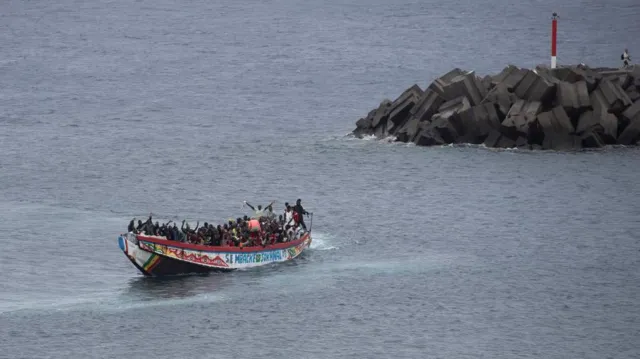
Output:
x=147 y=227
x=258 y=212
x=288 y=216
x=301 y=212
x=269 y=212
x=143 y=227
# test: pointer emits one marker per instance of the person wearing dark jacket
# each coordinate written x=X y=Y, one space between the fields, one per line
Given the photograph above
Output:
x=300 y=211
x=146 y=227
x=132 y=226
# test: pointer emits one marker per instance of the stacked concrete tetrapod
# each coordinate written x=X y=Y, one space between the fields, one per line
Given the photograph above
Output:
x=564 y=108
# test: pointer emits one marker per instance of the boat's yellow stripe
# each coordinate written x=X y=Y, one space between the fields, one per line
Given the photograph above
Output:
x=151 y=262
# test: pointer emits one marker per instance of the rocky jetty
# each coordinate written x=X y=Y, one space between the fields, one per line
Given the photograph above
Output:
x=569 y=107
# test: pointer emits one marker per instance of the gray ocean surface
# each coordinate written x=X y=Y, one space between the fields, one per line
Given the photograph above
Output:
x=114 y=109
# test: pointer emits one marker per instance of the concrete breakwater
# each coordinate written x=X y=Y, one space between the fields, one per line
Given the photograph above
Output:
x=564 y=108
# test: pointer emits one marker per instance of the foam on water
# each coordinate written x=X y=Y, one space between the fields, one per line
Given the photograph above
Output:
x=109 y=302
x=118 y=304
x=415 y=264
x=56 y=303
x=140 y=292
x=322 y=242
x=367 y=138
x=309 y=278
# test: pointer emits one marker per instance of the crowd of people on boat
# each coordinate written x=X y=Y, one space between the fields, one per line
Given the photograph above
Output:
x=263 y=228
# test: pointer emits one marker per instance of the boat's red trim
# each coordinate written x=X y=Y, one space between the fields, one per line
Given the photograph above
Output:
x=200 y=247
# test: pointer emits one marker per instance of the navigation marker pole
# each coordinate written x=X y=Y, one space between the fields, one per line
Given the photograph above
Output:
x=554 y=30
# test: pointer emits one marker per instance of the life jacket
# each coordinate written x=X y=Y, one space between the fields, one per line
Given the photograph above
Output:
x=254 y=226
x=296 y=217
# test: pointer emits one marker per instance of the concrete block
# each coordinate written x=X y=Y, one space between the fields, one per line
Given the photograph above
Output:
x=622 y=76
x=555 y=121
x=481 y=88
x=631 y=133
x=427 y=105
x=573 y=97
x=505 y=142
x=496 y=140
x=546 y=73
x=520 y=117
x=522 y=142
x=476 y=122
x=440 y=83
x=625 y=80
x=604 y=123
x=400 y=108
x=561 y=141
x=447 y=128
x=408 y=132
x=534 y=87
x=455 y=105
x=380 y=131
x=492 y=139
x=591 y=139
x=610 y=97
x=382 y=113
x=574 y=74
x=510 y=77
x=465 y=85
x=366 y=122
x=633 y=93
x=601 y=70
x=487 y=82
x=501 y=96
x=364 y=126
x=635 y=74
x=447 y=121
x=427 y=136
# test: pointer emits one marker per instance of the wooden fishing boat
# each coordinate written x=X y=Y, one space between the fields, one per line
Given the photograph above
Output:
x=157 y=256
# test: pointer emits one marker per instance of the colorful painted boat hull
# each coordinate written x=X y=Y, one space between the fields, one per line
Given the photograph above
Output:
x=155 y=256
